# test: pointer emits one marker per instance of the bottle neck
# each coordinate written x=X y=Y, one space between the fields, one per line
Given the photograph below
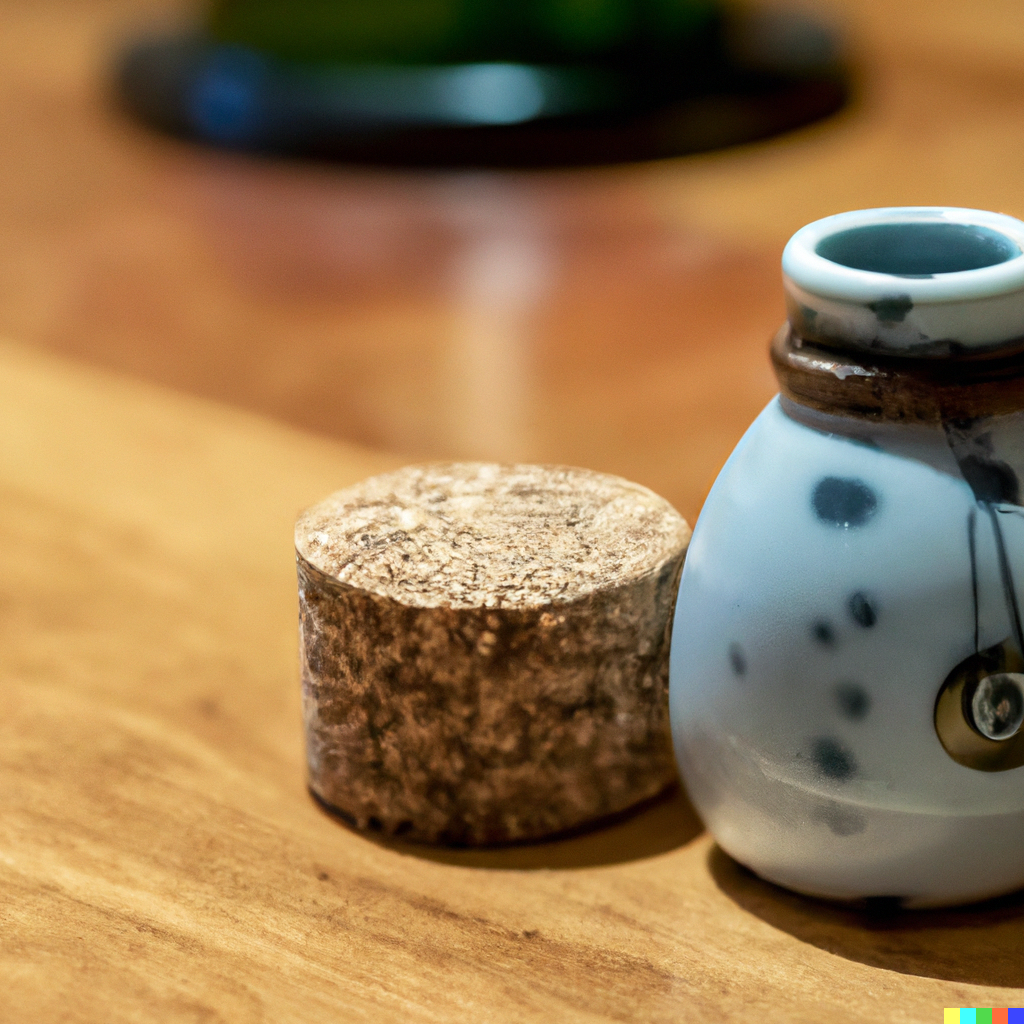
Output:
x=898 y=389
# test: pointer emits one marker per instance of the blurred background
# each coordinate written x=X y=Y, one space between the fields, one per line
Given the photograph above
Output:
x=499 y=273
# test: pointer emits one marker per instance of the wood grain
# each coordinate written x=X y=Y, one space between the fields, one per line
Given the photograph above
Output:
x=160 y=859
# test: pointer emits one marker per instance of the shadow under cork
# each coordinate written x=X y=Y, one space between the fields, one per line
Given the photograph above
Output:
x=981 y=944
x=656 y=826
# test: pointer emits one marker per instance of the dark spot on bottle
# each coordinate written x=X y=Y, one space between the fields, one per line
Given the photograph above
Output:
x=844 y=502
x=853 y=700
x=841 y=821
x=892 y=309
x=737 y=659
x=808 y=316
x=823 y=633
x=862 y=610
x=990 y=479
x=832 y=760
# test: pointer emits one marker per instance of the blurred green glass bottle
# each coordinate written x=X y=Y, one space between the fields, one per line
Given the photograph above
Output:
x=461 y=31
x=484 y=82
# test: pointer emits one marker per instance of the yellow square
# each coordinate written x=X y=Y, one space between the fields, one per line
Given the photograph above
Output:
x=951 y=1015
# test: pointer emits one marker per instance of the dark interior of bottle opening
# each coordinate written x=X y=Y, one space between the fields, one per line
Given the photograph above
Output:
x=918 y=248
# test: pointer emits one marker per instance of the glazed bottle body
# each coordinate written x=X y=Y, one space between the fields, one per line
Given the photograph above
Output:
x=826 y=595
x=843 y=567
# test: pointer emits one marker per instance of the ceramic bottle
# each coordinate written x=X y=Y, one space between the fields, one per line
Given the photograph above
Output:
x=847 y=676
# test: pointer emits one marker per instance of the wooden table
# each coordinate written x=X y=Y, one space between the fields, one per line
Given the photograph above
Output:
x=161 y=860
x=159 y=856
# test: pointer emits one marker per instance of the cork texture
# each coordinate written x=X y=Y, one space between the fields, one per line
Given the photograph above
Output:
x=485 y=649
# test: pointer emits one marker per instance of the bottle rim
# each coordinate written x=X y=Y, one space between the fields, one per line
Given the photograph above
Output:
x=805 y=266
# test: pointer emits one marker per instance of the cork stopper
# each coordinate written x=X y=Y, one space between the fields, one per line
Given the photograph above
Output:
x=485 y=649
x=470 y=535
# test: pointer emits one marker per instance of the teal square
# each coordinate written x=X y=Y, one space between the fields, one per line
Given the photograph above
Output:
x=968 y=1015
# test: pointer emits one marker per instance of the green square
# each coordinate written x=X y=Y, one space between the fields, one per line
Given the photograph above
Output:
x=983 y=1016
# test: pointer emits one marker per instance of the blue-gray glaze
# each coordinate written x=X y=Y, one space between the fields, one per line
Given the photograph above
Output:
x=916 y=249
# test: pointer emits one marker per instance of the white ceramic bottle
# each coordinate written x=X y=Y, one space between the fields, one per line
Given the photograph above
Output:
x=847 y=655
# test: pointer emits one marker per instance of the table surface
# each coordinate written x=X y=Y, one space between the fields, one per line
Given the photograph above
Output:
x=159 y=856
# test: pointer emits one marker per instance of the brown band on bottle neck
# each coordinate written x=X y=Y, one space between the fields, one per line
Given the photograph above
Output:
x=895 y=389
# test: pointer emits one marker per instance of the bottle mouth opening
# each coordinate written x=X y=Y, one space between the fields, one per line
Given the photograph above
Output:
x=917 y=249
